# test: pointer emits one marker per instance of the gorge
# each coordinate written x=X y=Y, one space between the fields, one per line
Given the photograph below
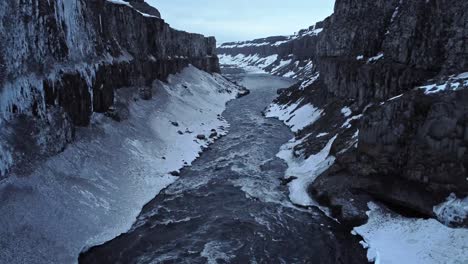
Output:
x=124 y=140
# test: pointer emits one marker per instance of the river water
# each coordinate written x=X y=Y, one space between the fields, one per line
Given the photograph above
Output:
x=231 y=206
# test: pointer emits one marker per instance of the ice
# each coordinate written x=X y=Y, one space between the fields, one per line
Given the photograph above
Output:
x=453 y=210
x=94 y=190
x=391 y=239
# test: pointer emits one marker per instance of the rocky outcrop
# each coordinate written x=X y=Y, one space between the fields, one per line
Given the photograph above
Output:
x=399 y=140
x=71 y=55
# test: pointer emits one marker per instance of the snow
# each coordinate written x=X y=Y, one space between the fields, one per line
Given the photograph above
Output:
x=309 y=81
x=395 y=97
x=94 y=190
x=250 y=63
x=376 y=58
x=347 y=123
x=282 y=64
x=295 y=116
x=289 y=74
x=391 y=239
x=453 y=83
x=121 y=2
x=360 y=57
x=321 y=135
x=452 y=211
x=346 y=111
x=244 y=44
x=306 y=170
x=267 y=61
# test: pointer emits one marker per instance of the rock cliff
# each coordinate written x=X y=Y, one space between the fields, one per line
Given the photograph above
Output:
x=289 y=56
x=391 y=79
x=61 y=61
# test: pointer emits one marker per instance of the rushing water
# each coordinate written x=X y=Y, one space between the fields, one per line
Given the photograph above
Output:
x=230 y=206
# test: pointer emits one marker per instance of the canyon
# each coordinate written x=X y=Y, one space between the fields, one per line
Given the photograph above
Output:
x=124 y=140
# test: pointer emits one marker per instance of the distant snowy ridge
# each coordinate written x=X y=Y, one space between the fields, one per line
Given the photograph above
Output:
x=287 y=56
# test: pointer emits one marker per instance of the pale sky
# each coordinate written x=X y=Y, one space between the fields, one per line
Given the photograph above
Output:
x=234 y=20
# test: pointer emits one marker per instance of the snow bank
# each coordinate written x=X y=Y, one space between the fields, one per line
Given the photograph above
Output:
x=305 y=170
x=391 y=238
x=94 y=190
x=295 y=116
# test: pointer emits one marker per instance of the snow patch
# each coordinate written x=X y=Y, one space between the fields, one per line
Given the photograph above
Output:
x=346 y=111
x=391 y=238
x=305 y=170
x=454 y=83
x=295 y=116
x=375 y=58
x=309 y=81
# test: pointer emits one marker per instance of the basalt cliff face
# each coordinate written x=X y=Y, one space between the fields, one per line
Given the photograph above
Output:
x=390 y=77
x=289 y=56
x=61 y=61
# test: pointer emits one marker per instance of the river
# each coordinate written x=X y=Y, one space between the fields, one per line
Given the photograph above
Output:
x=230 y=206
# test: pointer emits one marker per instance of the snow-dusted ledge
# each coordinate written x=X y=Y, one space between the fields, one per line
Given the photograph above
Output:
x=94 y=190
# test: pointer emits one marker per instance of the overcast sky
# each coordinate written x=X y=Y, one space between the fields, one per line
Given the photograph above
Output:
x=233 y=20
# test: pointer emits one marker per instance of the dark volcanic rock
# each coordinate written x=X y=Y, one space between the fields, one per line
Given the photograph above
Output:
x=73 y=55
x=201 y=137
x=411 y=150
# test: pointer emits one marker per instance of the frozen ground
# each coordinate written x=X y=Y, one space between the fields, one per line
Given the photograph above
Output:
x=94 y=190
x=392 y=239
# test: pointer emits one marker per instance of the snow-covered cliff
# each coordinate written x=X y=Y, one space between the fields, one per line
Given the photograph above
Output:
x=383 y=118
x=62 y=60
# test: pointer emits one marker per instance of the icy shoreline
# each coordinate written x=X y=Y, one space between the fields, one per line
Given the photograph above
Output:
x=94 y=190
x=389 y=238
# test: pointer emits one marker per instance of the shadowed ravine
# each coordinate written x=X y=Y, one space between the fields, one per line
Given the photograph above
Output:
x=230 y=206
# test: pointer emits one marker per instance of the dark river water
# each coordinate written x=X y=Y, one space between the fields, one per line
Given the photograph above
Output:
x=230 y=206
